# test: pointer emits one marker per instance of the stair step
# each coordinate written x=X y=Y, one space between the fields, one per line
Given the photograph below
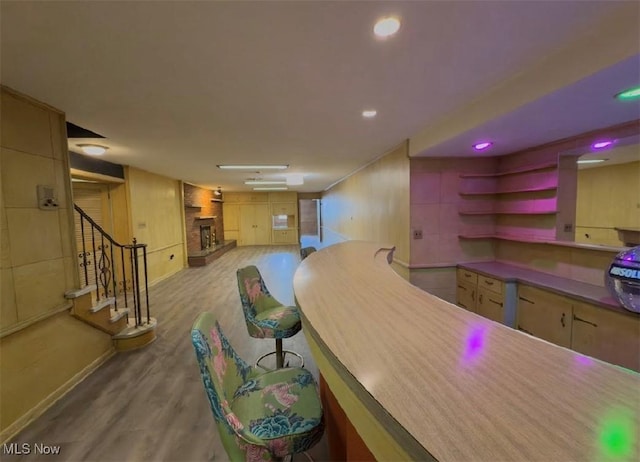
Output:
x=117 y=315
x=71 y=294
x=102 y=303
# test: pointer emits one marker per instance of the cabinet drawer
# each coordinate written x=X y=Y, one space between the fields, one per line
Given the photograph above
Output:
x=282 y=236
x=283 y=208
x=467 y=276
x=545 y=315
x=466 y=295
x=494 y=285
x=490 y=305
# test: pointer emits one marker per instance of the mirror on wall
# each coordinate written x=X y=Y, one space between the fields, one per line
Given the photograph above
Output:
x=608 y=193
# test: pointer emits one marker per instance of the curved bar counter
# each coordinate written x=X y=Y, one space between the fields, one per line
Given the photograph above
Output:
x=420 y=378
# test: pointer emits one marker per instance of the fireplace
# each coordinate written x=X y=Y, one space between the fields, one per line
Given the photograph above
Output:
x=207 y=237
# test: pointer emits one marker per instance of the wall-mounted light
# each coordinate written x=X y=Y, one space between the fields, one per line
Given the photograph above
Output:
x=369 y=113
x=218 y=192
x=482 y=146
x=590 y=161
x=93 y=149
x=271 y=188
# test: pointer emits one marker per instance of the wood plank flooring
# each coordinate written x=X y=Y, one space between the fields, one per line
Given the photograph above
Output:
x=150 y=405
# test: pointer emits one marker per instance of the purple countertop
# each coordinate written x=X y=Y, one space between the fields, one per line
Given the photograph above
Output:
x=562 y=286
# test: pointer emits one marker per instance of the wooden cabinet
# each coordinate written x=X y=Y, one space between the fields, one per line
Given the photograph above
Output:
x=284 y=208
x=490 y=305
x=606 y=335
x=254 y=221
x=481 y=294
x=285 y=236
x=544 y=315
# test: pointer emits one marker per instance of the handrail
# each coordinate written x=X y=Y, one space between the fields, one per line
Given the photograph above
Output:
x=109 y=279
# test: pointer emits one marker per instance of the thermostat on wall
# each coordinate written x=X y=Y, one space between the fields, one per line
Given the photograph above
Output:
x=47 y=197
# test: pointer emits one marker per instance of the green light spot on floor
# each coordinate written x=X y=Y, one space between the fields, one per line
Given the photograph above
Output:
x=617 y=436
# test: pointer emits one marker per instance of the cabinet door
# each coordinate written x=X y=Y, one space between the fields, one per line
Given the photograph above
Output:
x=544 y=315
x=247 y=225
x=490 y=305
x=230 y=214
x=606 y=335
x=466 y=295
x=262 y=221
x=284 y=208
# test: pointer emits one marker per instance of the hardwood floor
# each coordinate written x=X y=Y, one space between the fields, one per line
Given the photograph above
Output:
x=150 y=405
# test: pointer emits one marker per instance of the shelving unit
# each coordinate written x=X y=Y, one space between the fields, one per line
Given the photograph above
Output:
x=192 y=206
x=521 y=199
x=526 y=169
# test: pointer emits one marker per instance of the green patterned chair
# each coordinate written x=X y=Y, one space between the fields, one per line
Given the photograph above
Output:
x=265 y=316
x=306 y=251
x=260 y=416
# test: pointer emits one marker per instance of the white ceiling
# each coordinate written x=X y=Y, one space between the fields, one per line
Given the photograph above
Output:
x=178 y=87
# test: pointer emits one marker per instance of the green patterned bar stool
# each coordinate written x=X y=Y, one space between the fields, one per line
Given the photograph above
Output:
x=265 y=316
x=260 y=416
x=306 y=251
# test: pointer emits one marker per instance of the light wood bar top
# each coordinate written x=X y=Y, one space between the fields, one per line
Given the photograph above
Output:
x=450 y=385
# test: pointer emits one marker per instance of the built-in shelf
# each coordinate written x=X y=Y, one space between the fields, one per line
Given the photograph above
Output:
x=206 y=217
x=524 y=212
x=509 y=191
x=515 y=171
x=192 y=206
x=531 y=240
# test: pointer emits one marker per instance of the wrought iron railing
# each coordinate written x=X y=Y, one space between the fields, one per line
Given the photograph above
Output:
x=114 y=268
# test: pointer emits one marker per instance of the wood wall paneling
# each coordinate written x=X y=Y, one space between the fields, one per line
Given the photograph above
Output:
x=372 y=204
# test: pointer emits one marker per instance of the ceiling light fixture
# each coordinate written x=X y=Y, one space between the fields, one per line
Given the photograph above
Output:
x=257 y=182
x=252 y=167
x=590 y=161
x=602 y=144
x=631 y=93
x=369 y=113
x=93 y=149
x=295 y=179
x=272 y=188
x=482 y=146
x=386 y=27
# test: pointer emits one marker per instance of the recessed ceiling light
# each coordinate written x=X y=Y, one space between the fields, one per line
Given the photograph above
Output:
x=631 y=93
x=252 y=167
x=386 y=27
x=273 y=188
x=369 y=113
x=602 y=144
x=482 y=146
x=590 y=161
x=93 y=149
x=256 y=182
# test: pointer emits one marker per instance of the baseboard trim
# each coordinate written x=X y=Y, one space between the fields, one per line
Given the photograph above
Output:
x=22 y=422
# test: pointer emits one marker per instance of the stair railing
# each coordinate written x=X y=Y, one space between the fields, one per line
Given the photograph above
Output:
x=100 y=254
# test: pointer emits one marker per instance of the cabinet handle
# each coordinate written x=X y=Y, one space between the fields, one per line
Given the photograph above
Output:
x=524 y=330
x=473 y=295
x=527 y=300
x=463 y=305
x=461 y=287
x=497 y=303
x=562 y=320
x=467 y=275
x=575 y=318
x=480 y=299
x=489 y=283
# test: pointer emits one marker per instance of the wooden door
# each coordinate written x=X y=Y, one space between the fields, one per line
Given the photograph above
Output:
x=247 y=224
x=544 y=315
x=606 y=335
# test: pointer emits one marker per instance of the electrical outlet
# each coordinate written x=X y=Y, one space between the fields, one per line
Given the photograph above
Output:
x=417 y=234
x=568 y=228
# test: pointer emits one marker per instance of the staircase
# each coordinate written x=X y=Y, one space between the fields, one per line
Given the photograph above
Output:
x=115 y=296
